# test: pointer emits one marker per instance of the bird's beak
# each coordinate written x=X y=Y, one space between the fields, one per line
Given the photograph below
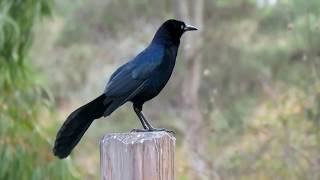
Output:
x=190 y=28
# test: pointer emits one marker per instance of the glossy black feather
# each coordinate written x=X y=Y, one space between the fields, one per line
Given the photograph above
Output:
x=137 y=81
x=76 y=125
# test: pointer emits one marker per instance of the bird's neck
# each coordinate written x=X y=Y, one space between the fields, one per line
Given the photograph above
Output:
x=164 y=38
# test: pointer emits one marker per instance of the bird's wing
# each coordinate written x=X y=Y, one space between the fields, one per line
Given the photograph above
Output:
x=122 y=84
x=147 y=61
x=128 y=80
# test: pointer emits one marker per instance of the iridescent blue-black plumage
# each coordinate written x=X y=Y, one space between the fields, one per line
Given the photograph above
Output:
x=137 y=81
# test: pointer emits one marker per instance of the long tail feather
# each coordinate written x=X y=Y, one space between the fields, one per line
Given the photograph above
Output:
x=76 y=125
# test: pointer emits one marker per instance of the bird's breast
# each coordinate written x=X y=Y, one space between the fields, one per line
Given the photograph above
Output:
x=160 y=76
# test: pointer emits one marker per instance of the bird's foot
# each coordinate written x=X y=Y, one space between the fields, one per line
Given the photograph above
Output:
x=161 y=129
x=152 y=130
x=139 y=130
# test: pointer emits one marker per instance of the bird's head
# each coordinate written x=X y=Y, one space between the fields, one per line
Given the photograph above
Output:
x=171 y=31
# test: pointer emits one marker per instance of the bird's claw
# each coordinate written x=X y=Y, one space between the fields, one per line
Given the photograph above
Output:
x=161 y=129
x=153 y=130
x=139 y=130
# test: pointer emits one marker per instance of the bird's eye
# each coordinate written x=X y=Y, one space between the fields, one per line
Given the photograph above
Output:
x=182 y=26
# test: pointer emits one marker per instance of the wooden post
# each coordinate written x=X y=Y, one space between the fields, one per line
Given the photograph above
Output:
x=137 y=156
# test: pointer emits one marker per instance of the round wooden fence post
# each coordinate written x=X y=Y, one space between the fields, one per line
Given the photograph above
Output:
x=137 y=156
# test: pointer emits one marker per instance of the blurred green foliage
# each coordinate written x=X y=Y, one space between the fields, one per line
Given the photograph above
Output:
x=25 y=145
x=260 y=89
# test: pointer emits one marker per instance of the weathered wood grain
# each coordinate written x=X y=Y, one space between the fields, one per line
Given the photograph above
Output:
x=137 y=156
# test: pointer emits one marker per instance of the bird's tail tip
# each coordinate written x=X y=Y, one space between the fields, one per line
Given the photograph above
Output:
x=59 y=154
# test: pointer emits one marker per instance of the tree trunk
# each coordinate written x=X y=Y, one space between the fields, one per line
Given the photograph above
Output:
x=192 y=12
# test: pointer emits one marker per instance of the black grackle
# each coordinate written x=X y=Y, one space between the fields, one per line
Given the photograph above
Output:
x=138 y=81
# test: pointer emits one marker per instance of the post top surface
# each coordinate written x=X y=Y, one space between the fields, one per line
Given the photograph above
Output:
x=135 y=137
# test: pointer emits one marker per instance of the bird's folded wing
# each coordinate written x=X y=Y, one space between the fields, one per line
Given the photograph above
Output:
x=147 y=61
x=123 y=85
x=129 y=78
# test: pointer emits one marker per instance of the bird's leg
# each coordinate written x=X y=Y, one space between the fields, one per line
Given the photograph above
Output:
x=145 y=123
x=141 y=118
x=151 y=128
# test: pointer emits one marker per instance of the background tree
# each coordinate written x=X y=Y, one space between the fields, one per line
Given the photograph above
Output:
x=192 y=11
